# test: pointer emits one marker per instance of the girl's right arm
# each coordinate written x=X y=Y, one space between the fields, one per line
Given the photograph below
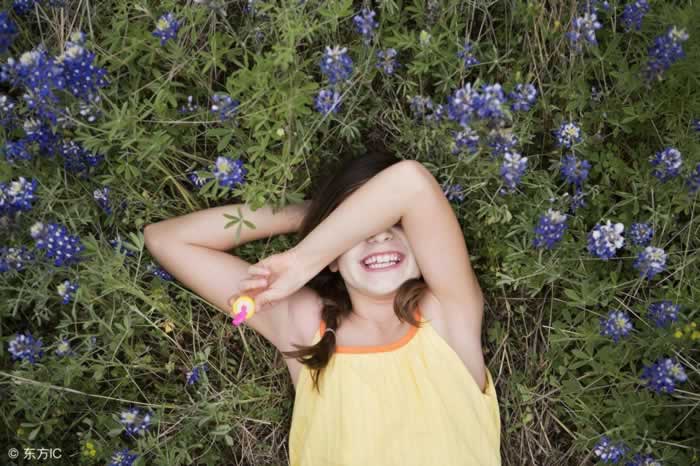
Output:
x=192 y=249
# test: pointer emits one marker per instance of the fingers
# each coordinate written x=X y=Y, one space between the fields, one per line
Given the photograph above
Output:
x=253 y=283
x=258 y=270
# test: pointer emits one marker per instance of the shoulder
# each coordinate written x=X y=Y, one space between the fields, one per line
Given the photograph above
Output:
x=305 y=315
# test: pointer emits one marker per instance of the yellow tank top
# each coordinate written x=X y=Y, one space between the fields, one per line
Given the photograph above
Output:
x=409 y=403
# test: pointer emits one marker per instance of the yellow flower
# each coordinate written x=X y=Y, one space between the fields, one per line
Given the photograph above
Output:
x=20 y=431
x=695 y=335
x=168 y=326
x=557 y=25
x=678 y=334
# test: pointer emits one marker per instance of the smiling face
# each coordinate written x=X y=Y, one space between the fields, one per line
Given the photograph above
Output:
x=377 y=282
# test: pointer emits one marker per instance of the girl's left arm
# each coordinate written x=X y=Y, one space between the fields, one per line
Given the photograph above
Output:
x=406 y=192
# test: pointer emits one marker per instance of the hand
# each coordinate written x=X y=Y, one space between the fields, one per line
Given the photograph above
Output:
x=281 y=275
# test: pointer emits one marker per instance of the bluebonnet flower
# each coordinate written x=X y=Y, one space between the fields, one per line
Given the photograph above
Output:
x=584 y=27
x=643 y=460
x=224 y=105
x=438 y=115
x=386 y=60
x=453 y=192
x=512 y=169
x=66 y=291
x=89 y=110
x=118 y=244
x=134 y=422
x=577 y=200
x=693 y=181
x=189 y=107
x=77 y=159
x=197 y=180
x=591 y=6
x=193 y=375
x=42 y=134
x=616 y=325
x=230 y=173
x=668 y=162
x=336 y=64
x=568 y=134
x=8 y=30
x=662 y=375
x=328 y=101
x=641 y=233
x=523 y=97
x=465 y=138
x=122 y=458
x=166 y=28
x=54 y=238
x=667 y=49
x=501 y=141
x=39 y=75
x=22 y=7
x=63 y=348
x=365 y=24
x=14 y=258
x=550 y=229
x=16 y=150
x=664 y=312
x=696 y=124
x=82 y=77
x=575 y=171
x=159 y=272
x=605 y=240
x=26 y=348
x=420 y=105
x=102 y=198
x=461 y=104
x=17 y=196
x=650 y=262
x=467 y=55
x=634 y=13
x=488 y=103
x=609 y=452
x=7 y=114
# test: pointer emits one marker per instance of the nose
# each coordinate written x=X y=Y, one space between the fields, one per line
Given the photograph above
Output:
x=382 y=236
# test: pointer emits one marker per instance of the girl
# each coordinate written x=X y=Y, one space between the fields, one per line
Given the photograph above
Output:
x=390 y=317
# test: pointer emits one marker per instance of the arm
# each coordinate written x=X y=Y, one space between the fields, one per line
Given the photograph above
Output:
x=207 y=227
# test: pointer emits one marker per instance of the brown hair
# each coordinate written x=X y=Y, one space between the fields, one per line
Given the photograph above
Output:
x=346 y=177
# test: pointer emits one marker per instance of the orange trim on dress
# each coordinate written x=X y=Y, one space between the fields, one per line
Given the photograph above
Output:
x=377 y=348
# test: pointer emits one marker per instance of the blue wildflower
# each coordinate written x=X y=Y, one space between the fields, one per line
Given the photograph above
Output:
x=365 y=24
x=668 y=162
x=159 y=272
x=14 y=258
x=336 y=64
x=189 y=107
x=194 y=375
x=420 y=105
x=568 y=134
x=461 y=104
x=664 y=312
x=386 y=60
x=584 y=27
x=17 y=196
x=650 y=262
x=616 y=325
x=453 y=192
x=575 y=171
x=26 y=348
x=65 y=249
x=465 y=138
x=641 y=233
x=166 y=28
x=633 y=14
x=488 y=103
x=501 y=141
x=82 y=77
x=101 y=196
x=550 y=229
x=328 y=101
x=134 y=422
x=512 y=169
x=122 y=458
x=66 y=291
x=16 y=150
x=230 y=173
x=467 y=55
x=77 y=159
x=8 y=31
x=41 y=133
x=693 y=181
x=667 y=49
x=662 y=375
x=605 y=240
x=224 y=105
x=523 y=97
x=63 y=348
x=609 y=452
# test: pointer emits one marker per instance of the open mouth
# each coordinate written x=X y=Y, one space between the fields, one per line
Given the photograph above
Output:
x=382 y=266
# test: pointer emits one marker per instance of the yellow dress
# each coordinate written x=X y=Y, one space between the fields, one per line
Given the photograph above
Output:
x=409 y=403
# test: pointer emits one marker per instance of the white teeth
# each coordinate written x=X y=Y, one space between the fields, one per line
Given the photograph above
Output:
x=382 y=259
x=383 y=265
